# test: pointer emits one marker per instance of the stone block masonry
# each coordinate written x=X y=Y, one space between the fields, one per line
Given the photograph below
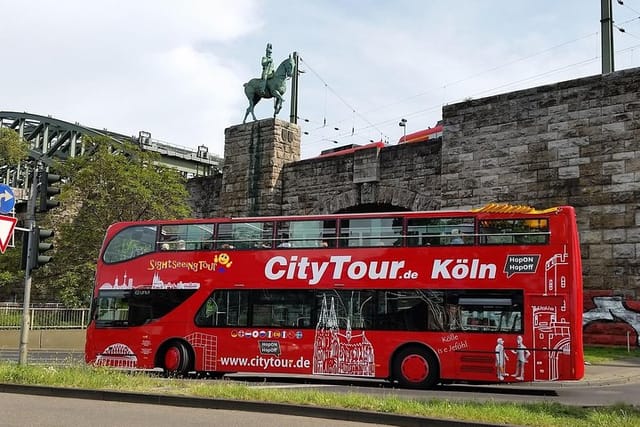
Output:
x=574 y=143
x=255 y=154
x=570 y=143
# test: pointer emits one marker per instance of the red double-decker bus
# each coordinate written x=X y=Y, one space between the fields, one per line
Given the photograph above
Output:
x=418 y=298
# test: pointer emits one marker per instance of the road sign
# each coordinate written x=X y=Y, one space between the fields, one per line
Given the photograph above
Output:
x=7 y=199
x=7 y=224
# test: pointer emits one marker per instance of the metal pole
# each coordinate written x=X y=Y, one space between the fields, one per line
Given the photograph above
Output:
x=293 y=116
x=606 y=24
x=30 y=225
x=628 y=343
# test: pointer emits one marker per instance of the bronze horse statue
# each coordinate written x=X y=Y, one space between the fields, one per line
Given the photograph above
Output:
x=276 y=87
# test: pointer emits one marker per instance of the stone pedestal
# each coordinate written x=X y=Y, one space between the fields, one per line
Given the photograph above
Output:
x=254 y=155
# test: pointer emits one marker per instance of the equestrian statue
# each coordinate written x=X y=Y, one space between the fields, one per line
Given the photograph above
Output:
x=272 y=84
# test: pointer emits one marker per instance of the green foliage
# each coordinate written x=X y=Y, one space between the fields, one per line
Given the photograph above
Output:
x=12 y=148
x=12 y=151
x=102 y=188
x=608 y=354
x=124 y=186
x=11 y=277
x=10 y=319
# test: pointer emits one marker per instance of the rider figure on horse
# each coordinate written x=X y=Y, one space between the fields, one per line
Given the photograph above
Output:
x=271 y=84
x=267 y=68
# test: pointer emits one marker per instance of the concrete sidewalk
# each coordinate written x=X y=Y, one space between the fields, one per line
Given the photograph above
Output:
x=619 y=372
x=623 y=371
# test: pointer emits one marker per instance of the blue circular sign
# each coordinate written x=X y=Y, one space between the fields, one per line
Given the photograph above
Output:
x=7 y=199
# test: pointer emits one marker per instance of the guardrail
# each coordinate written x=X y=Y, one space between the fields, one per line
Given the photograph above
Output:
x=45 y=318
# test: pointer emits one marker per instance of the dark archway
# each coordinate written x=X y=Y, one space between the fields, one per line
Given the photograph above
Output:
x=373 y=207
x=376 y=199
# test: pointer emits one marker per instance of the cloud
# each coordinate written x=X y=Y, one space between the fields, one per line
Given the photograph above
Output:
x=127 y=66
x=176 y=69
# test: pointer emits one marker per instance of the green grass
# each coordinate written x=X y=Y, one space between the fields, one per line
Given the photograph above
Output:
x=609 y=354
x=528 y=414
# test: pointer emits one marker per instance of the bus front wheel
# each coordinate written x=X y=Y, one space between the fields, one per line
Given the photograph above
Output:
x=415 y=367
x=176 y=359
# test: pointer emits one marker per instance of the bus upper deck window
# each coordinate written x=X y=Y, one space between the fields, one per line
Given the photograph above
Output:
x=180 y=237
x=440 y=231
x=130 y=242
x=366 y=232
x=305 y=234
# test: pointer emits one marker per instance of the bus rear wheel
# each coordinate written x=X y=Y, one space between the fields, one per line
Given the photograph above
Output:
x=415 y=367
x=176 y=359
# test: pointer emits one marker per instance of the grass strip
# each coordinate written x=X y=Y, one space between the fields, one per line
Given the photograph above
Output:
x=527 y=414
x=597 y=355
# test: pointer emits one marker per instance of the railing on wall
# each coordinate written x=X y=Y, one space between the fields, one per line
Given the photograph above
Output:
x=44 y=317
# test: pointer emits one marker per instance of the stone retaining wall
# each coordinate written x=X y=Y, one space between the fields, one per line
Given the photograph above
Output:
x=51 y=339
x=575 y=142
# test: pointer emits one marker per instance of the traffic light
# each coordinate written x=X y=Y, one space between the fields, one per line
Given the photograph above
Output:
x=46 y=191
x=35 y=251
x=40 y=246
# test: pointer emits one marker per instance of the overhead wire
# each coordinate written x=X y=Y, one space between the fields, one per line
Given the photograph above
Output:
x=626 y=6
x=371 y=125
x=623 y=28
x=494 y=69
x=354 y=131
x=637 y=17
x=353 y=109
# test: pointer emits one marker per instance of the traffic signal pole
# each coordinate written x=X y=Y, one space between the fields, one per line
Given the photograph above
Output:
x=40 y=200
x=26 y=311
x=30 y=222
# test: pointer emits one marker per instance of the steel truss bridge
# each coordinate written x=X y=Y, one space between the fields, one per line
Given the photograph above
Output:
x=51 y=139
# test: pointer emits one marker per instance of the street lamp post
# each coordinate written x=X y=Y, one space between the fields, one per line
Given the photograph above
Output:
x=403 y=125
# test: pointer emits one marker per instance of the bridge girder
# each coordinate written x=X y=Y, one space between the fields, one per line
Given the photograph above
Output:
x=50 y=138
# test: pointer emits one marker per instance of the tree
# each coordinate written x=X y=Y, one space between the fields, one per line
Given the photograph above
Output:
x=12 y=148
x=11 y=277
x=102 y=188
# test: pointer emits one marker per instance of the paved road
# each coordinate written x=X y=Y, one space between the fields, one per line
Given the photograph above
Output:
x=19 y=410
x=604 y=384
x=579 y=394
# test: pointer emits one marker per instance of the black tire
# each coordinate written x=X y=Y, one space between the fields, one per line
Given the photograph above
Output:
x=416 y=367
x=176 y=359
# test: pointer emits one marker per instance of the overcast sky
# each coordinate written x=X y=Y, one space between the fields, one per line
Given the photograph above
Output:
x=176 y=69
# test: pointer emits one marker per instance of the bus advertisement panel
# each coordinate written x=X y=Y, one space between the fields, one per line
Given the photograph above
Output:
x=492 y=295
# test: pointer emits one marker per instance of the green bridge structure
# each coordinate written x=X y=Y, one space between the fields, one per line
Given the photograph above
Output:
x=52 y=139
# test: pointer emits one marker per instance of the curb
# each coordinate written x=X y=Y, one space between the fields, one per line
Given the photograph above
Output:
x=240 y=405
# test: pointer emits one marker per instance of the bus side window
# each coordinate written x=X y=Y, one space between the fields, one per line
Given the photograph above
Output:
x=368 y=232
x=328 y=234
x=328 y=241
x=208 y=313
x=515 y=231
x=244 y=235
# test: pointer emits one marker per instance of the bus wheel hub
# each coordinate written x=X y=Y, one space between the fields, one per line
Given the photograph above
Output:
x=415 y=368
